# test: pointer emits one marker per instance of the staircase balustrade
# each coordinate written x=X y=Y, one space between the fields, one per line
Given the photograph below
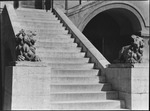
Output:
x=9 y=29
x=95 y=56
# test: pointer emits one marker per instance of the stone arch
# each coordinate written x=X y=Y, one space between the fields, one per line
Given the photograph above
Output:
x=136 y=20
x=119 y=34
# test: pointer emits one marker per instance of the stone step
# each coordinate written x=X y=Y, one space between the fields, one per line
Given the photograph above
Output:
x=62 y=72
x=88 y=105
x=35 y=18
x=44 y=29
x=61 y=54
x=55 y=44
x=37 y=21
x=27 y=14
x=48 y=16
x=59 y=40
x=42 y=32
x=36 y=14
x=77 y=79
x=48 y=41
x=53 y=36
x=32 y=10
x=44 y=103
x=83 y=96
x=73 y=79
x=71 y=49
x=47 y=59
x=78 y=87
x=65 y=60
x=26 y=21
x=50 y=32
x=41 y=25
x=71 y=66
x=58 y=48
x=40 y=51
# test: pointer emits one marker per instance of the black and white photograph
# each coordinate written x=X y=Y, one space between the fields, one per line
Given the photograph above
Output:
x=74 y=54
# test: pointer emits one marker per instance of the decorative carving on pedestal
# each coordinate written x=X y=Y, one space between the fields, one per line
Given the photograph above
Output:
x=132 y=53
x=25 y=50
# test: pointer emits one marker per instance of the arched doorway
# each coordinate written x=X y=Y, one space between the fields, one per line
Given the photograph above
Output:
x=111 y=29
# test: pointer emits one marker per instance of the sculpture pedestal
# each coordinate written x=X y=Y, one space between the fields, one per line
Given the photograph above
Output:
x=23 y=81
x=132 y=84
x=28 y=63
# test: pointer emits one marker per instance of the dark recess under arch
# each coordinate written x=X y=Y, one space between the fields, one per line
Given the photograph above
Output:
x=110 y=30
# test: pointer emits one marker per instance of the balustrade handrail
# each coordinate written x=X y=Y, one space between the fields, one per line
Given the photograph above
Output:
x=96 y=57
x=13 y=17
x=8 y=41
x=10 y=27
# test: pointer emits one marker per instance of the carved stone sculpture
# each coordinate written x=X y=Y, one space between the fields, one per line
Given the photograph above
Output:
x=25 y=50
x=132 y=53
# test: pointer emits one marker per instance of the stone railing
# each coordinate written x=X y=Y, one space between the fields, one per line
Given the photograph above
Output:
x=9 y=28
x=13 y=18
x=95 y=56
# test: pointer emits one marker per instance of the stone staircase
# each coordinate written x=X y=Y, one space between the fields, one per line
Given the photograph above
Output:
x=68 y=81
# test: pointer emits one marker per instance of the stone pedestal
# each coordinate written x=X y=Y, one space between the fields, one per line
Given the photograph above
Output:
x=22 y=82
x=132 y=82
